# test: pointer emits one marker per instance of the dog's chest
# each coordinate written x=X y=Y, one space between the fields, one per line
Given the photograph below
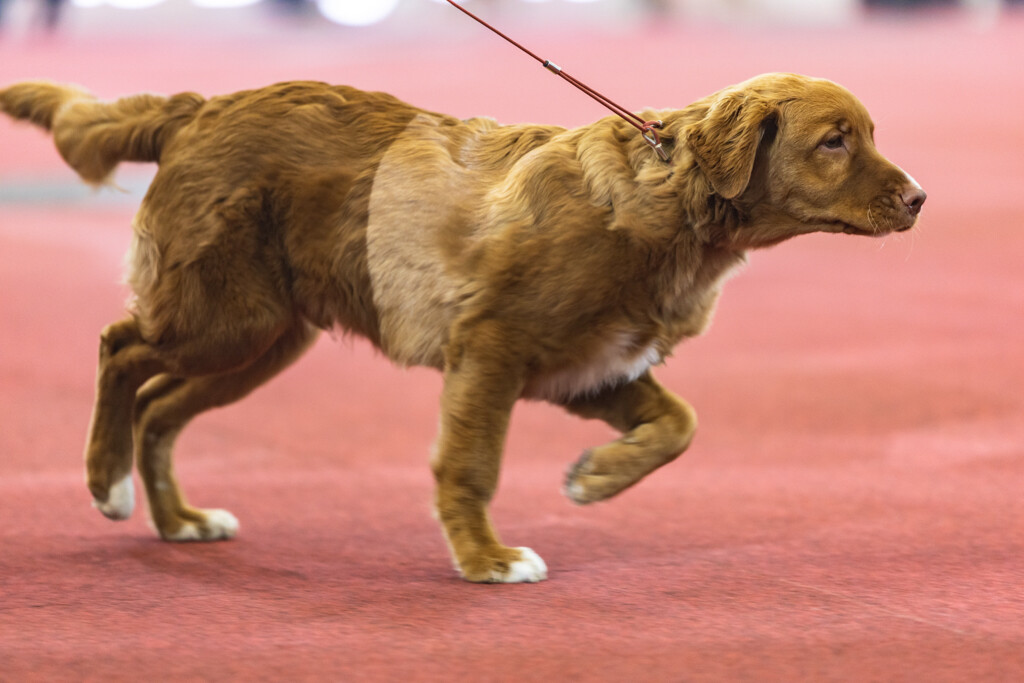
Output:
x=622 y=359
x=618 y=361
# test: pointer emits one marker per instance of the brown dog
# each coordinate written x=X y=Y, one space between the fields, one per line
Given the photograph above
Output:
x=523 y=261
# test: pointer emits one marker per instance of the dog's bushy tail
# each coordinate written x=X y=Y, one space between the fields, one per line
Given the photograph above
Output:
x=95 y=136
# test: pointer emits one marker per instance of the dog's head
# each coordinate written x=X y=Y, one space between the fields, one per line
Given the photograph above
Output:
x=797 y=155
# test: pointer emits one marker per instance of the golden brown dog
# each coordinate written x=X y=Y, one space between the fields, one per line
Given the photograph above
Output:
x=522 y=261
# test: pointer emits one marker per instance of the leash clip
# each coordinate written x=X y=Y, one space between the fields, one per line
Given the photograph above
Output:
x=652 y=138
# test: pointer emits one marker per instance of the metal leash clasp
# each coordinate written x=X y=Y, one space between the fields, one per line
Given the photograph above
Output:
x=652 y=138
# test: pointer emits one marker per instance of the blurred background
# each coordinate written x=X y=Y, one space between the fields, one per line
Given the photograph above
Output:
x=97 y=15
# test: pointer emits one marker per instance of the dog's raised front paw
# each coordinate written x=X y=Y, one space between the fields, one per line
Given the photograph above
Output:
x=586 y=483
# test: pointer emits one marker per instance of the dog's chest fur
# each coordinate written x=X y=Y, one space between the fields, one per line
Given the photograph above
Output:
x=618 y=360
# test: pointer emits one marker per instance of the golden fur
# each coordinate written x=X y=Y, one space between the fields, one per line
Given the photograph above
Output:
x=522 y=261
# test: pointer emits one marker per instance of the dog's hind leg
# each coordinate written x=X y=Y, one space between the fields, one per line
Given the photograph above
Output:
x=126 y=361
x=201 y=337
x=162 y=409
x=657 y=427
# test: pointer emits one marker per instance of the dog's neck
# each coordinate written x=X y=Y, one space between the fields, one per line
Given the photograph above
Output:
x=670 y=210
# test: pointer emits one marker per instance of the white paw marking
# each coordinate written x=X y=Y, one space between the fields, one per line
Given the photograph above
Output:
x=528 y=569
x=220 y=525
x=574 y=492
x=120 y=500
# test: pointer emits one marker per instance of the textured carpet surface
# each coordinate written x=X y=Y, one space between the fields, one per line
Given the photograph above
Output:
x=851 y=509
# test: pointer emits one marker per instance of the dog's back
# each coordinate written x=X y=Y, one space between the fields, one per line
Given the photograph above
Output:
x=94 y=136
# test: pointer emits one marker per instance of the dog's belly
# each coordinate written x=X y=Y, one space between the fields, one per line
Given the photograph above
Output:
x=419 y=195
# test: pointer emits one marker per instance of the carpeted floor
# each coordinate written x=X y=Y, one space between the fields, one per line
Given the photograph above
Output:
x=851 y=509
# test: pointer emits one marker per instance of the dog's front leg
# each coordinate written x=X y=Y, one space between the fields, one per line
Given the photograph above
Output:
x=480 y=388
x=657 y=427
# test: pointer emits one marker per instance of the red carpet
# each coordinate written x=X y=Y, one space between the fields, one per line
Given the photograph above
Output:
x=851 y=509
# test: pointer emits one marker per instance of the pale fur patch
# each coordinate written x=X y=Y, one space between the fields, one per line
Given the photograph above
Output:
x=220 y=525
x=617 y=362
x=140 y=262
x=911 y=179
x=120 y=501
x=530 y=568
x=410 y=206
x=574 y=492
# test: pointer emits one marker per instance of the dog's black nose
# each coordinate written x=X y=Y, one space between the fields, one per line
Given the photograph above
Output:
x=913 y=196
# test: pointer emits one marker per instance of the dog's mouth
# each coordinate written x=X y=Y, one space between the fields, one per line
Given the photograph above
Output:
x=880 y=218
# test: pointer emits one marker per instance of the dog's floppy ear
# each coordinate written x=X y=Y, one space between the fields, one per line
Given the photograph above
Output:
x=725 y=141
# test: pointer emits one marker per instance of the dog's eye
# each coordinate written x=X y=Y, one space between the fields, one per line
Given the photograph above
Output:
x=834 y=142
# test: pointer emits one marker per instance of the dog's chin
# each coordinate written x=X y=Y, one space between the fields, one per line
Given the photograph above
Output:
x=842 y=227
x=851 y=229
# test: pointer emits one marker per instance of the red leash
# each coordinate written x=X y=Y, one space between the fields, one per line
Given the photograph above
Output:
x=648 y=129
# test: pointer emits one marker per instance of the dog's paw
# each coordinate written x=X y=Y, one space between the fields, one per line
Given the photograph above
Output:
x=505 y=565
x=529 y=568
x=203 y=525
x=120 y=500
x=585 y=483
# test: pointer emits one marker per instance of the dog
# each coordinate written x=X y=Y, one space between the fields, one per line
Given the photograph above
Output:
x=521 y=261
